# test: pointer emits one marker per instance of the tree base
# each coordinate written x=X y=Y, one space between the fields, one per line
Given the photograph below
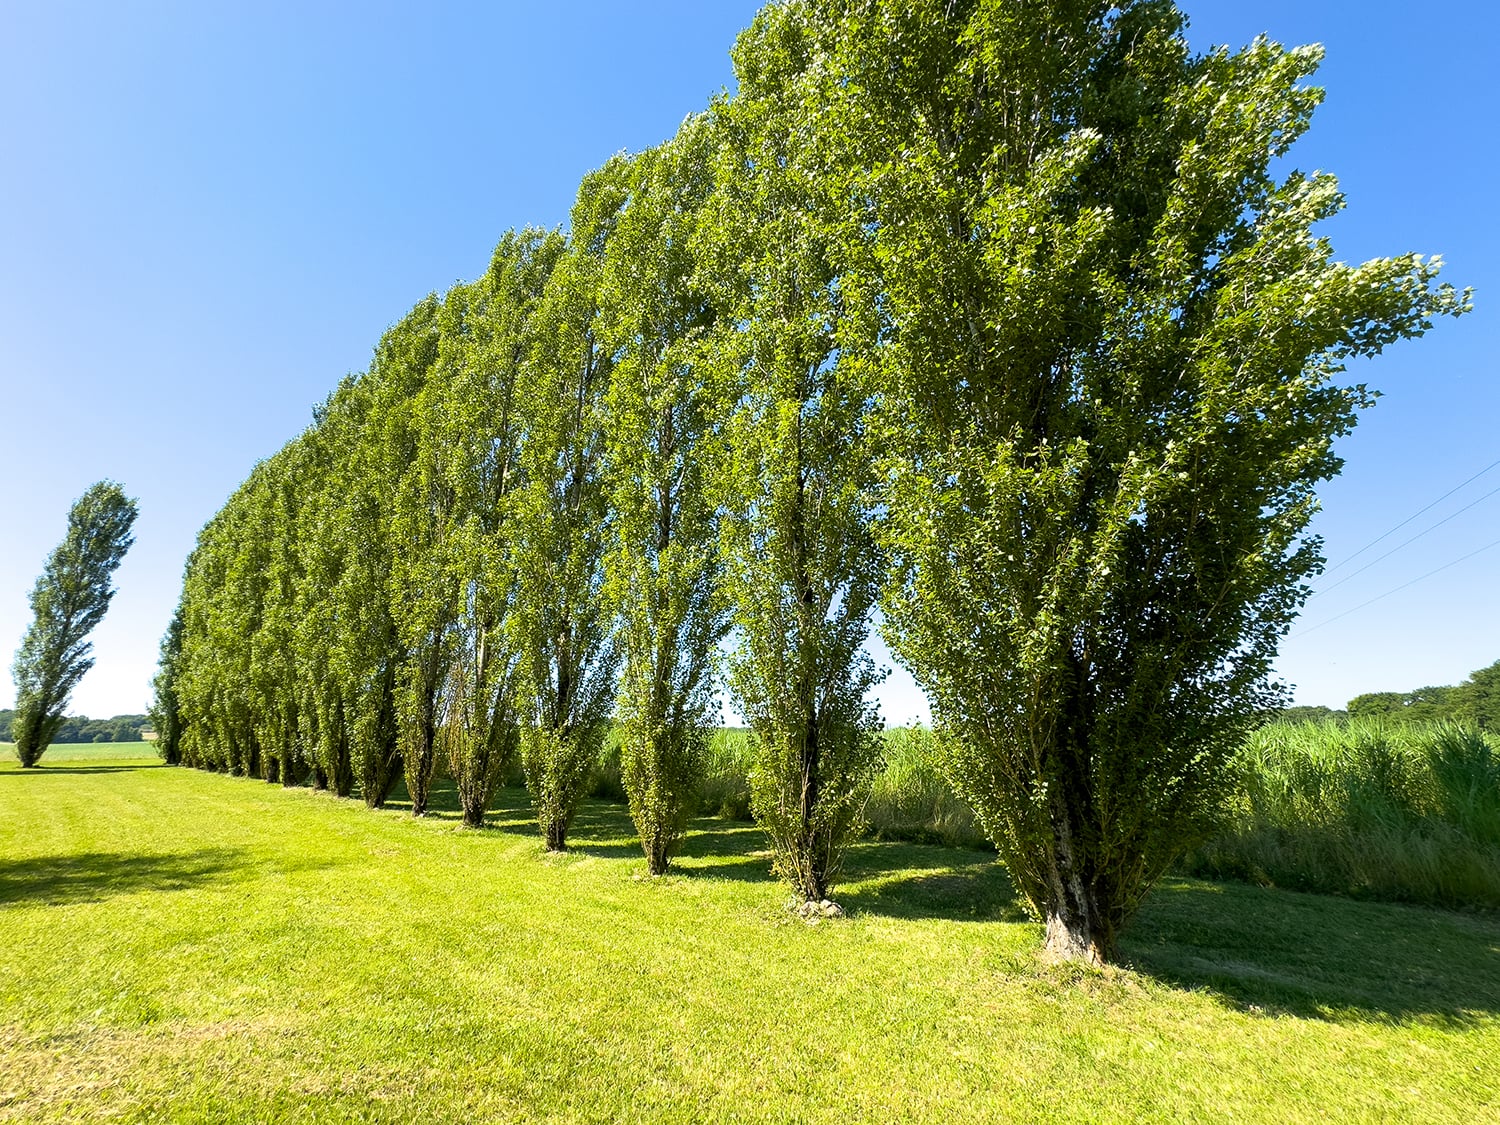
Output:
x=1074 y=943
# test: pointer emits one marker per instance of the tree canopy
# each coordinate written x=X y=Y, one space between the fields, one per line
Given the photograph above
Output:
x=1011 y=319
x=69 y=600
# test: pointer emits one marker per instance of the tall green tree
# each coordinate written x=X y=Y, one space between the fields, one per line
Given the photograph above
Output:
x=415 y=503
x=325 y=693
x=67 y=602
x=793 y=476
x=561 y=524
x=282 y=722
x=663 y=563
x=166 y=706
x=1111 y=384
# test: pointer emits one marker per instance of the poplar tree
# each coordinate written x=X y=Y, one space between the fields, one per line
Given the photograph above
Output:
x=562 y=523
x=1111 y=381
x=800 y=565
x=415 y=504
x=69 y=599
x=662 y=563
x=319 y=631
x=280 y=722
x=488 y=332
x=166 y=705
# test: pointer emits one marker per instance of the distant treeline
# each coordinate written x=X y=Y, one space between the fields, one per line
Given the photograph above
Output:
x=81 y=728
x=1475 y=702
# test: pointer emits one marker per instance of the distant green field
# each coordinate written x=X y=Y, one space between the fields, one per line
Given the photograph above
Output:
x=183 y=946
x=86 y=751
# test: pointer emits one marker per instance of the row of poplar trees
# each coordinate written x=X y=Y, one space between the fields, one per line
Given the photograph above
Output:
x=989 y=314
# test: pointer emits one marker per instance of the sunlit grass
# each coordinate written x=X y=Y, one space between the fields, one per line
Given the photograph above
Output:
x=86 y=751
x=180 y=946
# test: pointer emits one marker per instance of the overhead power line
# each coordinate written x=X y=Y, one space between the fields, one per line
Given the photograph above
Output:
x=1413 y=539
x=1386 y=535
x=1397 y=590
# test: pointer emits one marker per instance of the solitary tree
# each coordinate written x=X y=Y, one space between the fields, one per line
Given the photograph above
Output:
x=69 y=599
x=1111 y=384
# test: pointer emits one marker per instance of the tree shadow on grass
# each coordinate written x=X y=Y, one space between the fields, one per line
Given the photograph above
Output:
x=926 y=881
x=897 y=880
x=45 y=769
x=93 y=876
x=1262 y=950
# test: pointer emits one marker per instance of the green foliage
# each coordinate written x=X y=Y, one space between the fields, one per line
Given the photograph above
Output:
x=69 y=599
x=1477 y=699
x=723 y=787
x=1369 y=807
x=166 y=707
x=1110 y=386
x=1309 y=714
x=561 y=524
x=1425 y=705
x=994 y=312
x=487 y=333
x=793 y=473
x=417 y=500
x=911 y=800
x=662 y=565
x=76 y=729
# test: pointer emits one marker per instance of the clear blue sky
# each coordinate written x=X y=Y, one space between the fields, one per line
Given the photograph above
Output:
x=209 y=213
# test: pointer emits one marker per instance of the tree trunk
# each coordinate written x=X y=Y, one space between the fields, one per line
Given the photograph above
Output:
x=1077 y=922
x=557 y=836
x=813 y=861
x=1071 y=937
x=656 y=854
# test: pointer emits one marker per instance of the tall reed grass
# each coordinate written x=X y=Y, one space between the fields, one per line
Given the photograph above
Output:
x=1364 y=807
x=910 y=800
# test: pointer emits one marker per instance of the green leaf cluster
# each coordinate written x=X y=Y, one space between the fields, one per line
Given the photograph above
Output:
x=1009 y=320
x=69 y=599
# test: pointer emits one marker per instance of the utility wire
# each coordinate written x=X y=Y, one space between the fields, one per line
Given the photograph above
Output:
x=1414 y=515
x=1405 y=542
x=1397 y=590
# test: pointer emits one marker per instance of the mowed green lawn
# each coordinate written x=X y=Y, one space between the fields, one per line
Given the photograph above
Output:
x=86 y=751
x=179 y=946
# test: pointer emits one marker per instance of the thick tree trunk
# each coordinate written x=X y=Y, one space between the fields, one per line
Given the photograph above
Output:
x=380 y=792
x=1071 y=938
x=557 y=836
x=1077 y=922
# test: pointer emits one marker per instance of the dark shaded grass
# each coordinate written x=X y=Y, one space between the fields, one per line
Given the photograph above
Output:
x=92 y=876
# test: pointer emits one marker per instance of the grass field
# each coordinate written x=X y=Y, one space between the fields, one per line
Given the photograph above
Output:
x=182 y=946
x=86 y=751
